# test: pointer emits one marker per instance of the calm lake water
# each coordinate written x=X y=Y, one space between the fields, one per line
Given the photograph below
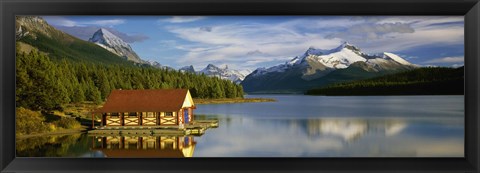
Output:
x=294 y=126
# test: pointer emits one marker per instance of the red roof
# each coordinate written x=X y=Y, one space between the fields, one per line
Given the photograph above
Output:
x=154 y=100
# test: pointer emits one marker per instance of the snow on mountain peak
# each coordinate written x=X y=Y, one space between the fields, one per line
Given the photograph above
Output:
x=105 y=37
x=114 y=44
x=337 y=58
x=396 y=58
x=313 y=51
x=346 y=45
x=223 y=72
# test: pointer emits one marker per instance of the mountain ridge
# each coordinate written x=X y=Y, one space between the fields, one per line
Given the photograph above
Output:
x=316 y=65
x=223 y=73
x=33 y=32
x=115 y=44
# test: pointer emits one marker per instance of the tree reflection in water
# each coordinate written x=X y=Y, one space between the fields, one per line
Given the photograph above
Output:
x=71 y=145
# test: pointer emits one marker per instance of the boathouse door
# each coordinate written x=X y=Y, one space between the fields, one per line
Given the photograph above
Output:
x=185 y=115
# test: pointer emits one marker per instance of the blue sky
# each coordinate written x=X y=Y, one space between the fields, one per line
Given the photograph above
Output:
x=250 y=42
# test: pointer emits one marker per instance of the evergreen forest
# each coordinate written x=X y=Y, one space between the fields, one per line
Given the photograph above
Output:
x=420 y=81
x=44 y=84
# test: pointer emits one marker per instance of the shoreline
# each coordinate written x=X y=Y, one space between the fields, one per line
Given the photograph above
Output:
x=232 y=100
x=59 y=132
x=80 y=110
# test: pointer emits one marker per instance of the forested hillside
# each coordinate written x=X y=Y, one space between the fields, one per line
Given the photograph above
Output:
x=44 y=83
x=422 y=81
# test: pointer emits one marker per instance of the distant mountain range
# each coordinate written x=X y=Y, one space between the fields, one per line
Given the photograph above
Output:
x=220 y=72
x=313 y=69
x=224 y=73
x=319 y=67
x=116 y=45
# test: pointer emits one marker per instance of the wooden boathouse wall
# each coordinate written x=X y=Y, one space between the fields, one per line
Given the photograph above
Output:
x=163 y=107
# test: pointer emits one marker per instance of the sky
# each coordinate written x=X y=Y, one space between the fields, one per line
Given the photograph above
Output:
x=251 y=42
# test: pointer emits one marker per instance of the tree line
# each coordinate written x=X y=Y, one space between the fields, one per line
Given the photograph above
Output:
x=421 y=81
x=46 y=84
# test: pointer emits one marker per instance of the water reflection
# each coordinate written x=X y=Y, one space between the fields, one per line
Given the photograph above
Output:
x=143 y=146
x=294 y=126
x=72 y=145
x=351 y=129
x=333 y=137
x=248 y=137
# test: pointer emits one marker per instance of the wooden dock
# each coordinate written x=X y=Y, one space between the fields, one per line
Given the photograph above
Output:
x=197 y=127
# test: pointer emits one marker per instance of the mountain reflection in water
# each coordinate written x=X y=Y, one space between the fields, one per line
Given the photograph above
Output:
x=246 y=137
x=333 y=137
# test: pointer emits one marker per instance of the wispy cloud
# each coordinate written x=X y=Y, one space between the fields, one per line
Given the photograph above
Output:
x=63 y=21
x=456 y=59
x=111 y=22
x=239 y=43
x=182 y=19
x=398 y=33
x=367 y=31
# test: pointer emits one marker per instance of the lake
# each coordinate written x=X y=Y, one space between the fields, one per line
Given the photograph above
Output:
x=293 y=126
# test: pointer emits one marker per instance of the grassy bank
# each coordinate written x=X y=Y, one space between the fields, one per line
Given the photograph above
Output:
x=56 y=132
x=232 y=100
x=77 y=117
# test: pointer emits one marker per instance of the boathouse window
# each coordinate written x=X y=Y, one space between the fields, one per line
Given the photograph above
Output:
x=132 y=114
x=169 y=114
x=114 y=115
x=150 y=115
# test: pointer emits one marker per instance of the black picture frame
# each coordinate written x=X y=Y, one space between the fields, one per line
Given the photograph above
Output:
x=469 y=8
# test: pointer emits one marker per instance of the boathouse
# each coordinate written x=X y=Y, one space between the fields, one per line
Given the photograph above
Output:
x=154 y=107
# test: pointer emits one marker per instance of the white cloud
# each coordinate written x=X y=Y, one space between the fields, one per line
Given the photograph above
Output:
x=63 y=21
x=456 y=59
x=182 y=19
x=230 y=43
x=367 y=31
x=437 y=30
x=111 y=22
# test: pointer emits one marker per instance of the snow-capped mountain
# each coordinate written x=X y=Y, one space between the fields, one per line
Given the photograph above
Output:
x=316 y=64
x=224 y=73
x=187 y=69
x=338 y=58
x=114 y=44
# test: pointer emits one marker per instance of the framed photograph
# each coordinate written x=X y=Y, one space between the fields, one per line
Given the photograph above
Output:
x=186 y=86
